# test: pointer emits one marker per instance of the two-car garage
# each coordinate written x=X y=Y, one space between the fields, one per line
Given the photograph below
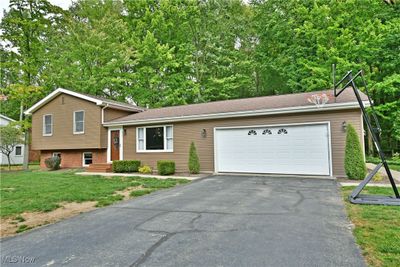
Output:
x=277 y=149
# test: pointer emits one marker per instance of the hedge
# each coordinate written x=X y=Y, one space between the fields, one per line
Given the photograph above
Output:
x=53 y=163
x=194 y=164
x=165 y=167
x=354 y=164
x=125 y=165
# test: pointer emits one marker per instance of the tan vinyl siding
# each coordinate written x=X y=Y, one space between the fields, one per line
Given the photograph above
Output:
x=185 y=132
x=111 y=114
x=62 y=108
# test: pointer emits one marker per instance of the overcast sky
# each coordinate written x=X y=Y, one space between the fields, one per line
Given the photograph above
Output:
x=61 y=3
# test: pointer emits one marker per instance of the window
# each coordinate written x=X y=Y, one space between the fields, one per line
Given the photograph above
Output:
x=87 y=159
x=18 y=151
x=154 y=139
x=79 y=122
x=48 y=125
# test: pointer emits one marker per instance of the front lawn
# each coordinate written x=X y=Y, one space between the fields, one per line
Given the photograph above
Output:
x=377 y=228
x=44 y=191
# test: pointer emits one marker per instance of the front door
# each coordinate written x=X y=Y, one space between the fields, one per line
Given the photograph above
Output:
x=115 y=143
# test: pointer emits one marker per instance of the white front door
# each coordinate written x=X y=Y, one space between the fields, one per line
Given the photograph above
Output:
x=292 y=149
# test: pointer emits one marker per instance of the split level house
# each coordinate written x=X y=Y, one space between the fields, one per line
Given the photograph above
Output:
x=282 y=134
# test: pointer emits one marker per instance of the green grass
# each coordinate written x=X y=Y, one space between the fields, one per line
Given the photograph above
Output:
x=32 y=167
x=394 y=164
x=377 y=228
x=45 y=190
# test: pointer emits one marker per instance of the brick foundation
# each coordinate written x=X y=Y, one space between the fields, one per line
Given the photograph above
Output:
x=73 y=158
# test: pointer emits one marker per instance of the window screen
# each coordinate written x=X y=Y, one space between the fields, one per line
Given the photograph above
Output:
x=155 y=138
x=79 y=119
x=47 y=124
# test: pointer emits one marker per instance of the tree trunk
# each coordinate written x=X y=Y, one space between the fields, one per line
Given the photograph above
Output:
x=9 y=162
x=26 y=151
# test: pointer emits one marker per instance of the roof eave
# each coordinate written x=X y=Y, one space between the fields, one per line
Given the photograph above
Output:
x=236 y=114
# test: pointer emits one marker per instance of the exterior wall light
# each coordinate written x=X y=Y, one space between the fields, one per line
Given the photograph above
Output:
x=203 y=133
x=344 y=126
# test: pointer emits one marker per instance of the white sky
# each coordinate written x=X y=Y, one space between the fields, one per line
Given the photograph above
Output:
x=61 y=3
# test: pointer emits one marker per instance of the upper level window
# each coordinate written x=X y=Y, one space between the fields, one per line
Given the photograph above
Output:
x=48 y=125
x=79 y=122
x=154 y=139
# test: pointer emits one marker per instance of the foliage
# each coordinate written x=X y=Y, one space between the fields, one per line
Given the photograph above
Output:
x=354 y=164
x=166 y=167
x=125 y=165
x=394 y=162
x=194 y=163
x=377 y=228
x=10 y=136
x=146 y=169
x=53 y=163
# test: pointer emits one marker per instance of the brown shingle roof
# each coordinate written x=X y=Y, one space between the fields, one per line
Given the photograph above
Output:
x=237 y=105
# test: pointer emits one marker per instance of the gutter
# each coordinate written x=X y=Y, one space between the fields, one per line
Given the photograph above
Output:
x=238 y=114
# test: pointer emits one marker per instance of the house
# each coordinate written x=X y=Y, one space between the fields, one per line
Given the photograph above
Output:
x=17 y=156
x=282 y=134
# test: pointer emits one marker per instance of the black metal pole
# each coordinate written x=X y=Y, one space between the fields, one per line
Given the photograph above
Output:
x=374 y=137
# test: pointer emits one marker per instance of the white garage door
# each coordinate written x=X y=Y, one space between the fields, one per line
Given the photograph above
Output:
x=291 y=149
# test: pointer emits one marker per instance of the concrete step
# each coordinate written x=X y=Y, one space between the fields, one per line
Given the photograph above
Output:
x=99 y=167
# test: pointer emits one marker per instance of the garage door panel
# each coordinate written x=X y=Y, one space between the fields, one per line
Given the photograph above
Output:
x=303 y=149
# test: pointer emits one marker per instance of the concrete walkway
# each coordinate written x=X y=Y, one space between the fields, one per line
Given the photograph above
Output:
x=110 y=174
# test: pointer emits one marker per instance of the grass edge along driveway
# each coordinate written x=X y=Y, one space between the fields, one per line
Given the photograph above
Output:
x=377 y=228
x=45 y=191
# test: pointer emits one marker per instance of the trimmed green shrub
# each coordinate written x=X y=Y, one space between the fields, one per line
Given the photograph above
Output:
x=166 y=167
x=146 y=169
x=194 y=164
x=354 y=164
x=53 y=163
x=125 y=165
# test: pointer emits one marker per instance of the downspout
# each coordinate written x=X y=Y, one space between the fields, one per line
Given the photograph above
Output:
x=102 y=113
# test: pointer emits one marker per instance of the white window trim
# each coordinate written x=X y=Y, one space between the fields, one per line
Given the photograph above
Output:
x=44 y=125
x=165 y=139
x=22 y=151
x=83 y=158
x=74 y=125
x=121 y=143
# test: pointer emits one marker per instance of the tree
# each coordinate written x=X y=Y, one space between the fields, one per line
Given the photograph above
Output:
x=194 y=164
x=354 y=163
x=10 y=136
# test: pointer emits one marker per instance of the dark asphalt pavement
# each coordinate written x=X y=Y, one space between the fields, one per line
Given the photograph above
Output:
x=216 y=221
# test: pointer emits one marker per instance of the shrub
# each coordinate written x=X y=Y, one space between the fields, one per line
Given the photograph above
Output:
x=354 y=164
x=52 y=163
x=194 y=164
x=166 y=167
x=145 y=169
x=125 y=165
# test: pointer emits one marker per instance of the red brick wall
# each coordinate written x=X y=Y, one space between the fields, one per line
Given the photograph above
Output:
x=73 y=158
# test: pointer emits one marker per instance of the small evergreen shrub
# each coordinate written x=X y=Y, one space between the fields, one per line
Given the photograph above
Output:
x=125 y=165
x=194 y=164
x=354 y=164
x=53 y=163
x=166 y=167
x=146 y=169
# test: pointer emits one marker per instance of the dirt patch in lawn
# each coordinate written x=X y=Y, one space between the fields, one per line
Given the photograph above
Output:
x=126 y=192
x=29 y=220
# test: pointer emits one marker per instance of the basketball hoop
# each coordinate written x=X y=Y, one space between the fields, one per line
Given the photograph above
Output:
x=319 y=99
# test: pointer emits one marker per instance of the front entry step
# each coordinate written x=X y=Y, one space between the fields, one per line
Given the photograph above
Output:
x=99 y=167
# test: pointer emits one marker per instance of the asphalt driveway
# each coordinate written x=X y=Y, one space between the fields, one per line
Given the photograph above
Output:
x=217 y=221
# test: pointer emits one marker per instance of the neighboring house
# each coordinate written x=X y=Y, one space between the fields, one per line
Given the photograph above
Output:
x=17 y=156
x=284 y=134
